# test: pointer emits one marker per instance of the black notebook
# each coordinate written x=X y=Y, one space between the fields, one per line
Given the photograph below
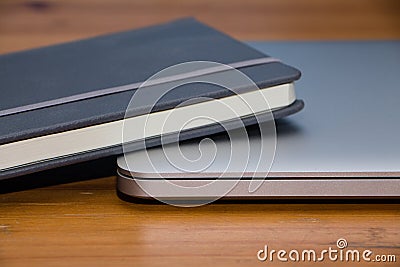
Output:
x=55 y=109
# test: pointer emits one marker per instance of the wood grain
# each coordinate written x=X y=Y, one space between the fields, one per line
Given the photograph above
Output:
x=32 y=23
x=85 y=224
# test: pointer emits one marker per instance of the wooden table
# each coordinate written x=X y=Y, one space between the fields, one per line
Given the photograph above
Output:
x=86 y=224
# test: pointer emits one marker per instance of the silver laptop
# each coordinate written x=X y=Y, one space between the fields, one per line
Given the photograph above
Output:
x=344 y=144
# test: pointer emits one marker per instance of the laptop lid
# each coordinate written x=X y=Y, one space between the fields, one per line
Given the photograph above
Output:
x=350 y=126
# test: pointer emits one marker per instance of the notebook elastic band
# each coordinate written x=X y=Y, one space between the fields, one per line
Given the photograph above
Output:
x=133 y=86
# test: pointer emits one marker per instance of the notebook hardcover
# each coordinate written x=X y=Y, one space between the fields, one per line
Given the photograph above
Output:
x=59 y=71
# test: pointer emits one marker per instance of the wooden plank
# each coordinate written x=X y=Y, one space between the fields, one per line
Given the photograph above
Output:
x=26 y=24
x=85 y=223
